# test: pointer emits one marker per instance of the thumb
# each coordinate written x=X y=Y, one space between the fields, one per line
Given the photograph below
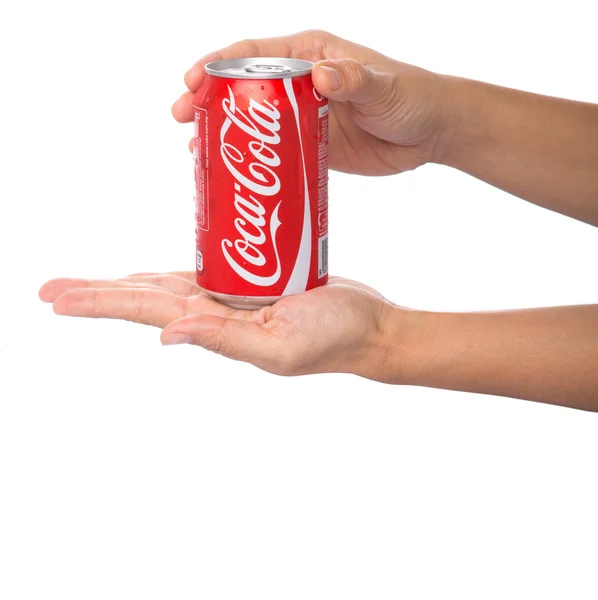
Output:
x=348 y=80
x=233 y=338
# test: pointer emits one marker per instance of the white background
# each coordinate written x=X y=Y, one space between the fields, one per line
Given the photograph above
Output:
x=128 y=470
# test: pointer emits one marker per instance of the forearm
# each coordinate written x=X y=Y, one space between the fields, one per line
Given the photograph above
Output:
x=548 y=354
x=542 y=149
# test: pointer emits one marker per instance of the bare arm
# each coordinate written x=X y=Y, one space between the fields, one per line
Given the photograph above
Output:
x=545 y=354
x=542 y=149
x=387 y=117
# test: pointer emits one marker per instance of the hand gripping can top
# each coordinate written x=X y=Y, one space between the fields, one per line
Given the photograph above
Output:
x=261 y=179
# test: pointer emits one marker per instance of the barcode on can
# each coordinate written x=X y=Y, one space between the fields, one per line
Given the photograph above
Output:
x=323 y=256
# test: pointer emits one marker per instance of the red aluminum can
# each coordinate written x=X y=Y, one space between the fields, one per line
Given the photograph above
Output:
x=261 y=178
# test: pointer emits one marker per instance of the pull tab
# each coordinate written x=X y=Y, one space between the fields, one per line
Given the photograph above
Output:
x=267 y=69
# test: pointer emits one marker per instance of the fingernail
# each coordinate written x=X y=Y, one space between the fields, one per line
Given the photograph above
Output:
x=176 y=338
x=333 y=77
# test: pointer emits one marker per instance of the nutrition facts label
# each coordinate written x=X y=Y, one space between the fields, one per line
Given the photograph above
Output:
x=200 y=154
x=322 y=191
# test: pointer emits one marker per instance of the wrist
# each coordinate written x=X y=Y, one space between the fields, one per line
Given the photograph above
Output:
x=469 y=111
x=460 y=113
x=402 y=336
x=447 y=120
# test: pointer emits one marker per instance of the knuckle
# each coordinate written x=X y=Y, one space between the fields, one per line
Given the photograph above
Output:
x=357 y=75
x=183 y=306
x=249 y=47
x=390 y=92
x=390 y=82
x=137 y=305
x=317 y=33
x=215 y=343
x=311 y=43
x=94 y=303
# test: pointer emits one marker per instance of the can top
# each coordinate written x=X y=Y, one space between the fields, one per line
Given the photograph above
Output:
x=259 y=68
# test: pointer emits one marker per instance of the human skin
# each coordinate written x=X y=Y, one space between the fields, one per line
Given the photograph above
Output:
x=387 y=117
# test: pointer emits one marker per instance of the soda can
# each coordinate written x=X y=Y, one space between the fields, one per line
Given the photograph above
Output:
x=261 y=181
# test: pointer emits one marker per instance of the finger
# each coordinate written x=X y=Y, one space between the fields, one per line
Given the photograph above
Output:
x=349 y=80
x=310 y=45
x=191 y=148
x=56 y=287
x=177 y=285
x=151 y=306
x=140 y=305
x=189 y=275
x=182 y=109
x=279 y=46
x=181 y=286
x=233 y=338
x=200 y=302
x=313 y=45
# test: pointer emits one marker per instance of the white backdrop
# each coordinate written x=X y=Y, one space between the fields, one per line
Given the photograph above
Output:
x=128 y=470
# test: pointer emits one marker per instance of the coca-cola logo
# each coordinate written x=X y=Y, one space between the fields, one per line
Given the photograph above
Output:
x=257 y=178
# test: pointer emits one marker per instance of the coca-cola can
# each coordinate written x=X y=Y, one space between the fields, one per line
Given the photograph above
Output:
x=261 y=181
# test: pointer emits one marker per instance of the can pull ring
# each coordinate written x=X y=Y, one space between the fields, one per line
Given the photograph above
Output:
x=267 y=69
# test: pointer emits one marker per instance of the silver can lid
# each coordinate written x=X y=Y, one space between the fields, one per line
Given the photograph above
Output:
x=259 y=68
